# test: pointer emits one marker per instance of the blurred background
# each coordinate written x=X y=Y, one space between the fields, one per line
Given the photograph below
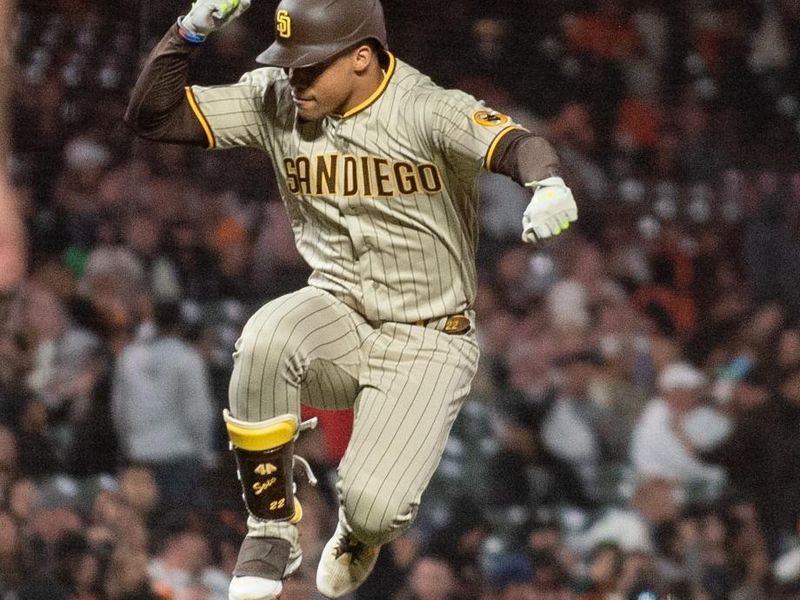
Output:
x=634 y=429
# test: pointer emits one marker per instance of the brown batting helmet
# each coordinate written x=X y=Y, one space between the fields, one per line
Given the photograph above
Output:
x=308 y=32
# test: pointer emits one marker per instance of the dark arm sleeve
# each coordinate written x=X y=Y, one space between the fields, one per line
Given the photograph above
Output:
x=525 y=157
x=159 y=108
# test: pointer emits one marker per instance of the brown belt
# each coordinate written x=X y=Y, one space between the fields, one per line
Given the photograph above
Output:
x=454 y=325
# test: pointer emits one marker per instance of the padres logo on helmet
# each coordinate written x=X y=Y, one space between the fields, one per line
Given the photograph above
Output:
x=283 y=23
x=489 y=118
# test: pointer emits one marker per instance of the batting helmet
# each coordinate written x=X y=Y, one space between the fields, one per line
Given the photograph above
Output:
x=308 y=32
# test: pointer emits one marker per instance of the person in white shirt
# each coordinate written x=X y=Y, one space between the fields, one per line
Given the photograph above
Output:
x=661 y=446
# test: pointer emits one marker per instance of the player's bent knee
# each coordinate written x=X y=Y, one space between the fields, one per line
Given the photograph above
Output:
x=375 y=516
x=277 y=352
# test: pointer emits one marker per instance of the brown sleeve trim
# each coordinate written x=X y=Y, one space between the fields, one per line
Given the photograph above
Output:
x=487 y=161
x=212 y=143
x=524 y=157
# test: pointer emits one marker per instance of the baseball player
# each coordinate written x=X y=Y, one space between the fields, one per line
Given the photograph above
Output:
x=376 y=166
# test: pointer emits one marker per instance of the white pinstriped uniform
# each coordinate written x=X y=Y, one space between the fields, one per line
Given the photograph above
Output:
x=382 y=207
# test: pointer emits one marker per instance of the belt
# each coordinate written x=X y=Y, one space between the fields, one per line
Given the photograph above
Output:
x=454 y=325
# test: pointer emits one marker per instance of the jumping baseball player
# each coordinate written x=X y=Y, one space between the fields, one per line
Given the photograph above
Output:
x=377 y=166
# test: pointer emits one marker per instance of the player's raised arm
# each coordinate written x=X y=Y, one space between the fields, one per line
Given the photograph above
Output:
x=161 y=106
x=531 y=161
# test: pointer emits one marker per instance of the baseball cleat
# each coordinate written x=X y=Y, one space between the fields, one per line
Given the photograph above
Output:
x=262 y=564
x=345 y=564
x=254 y=588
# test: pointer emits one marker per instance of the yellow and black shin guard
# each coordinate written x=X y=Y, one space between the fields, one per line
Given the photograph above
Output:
x=265 y=461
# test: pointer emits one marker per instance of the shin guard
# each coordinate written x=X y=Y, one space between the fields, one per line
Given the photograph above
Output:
x=265 y=462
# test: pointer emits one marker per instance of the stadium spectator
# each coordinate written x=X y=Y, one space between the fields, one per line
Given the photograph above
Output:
x=661 y=448
x=162 y=410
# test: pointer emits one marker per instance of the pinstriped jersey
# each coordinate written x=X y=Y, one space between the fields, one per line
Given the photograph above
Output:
x=381 y=199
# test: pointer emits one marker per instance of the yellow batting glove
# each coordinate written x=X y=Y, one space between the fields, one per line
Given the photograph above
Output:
x=550 y=211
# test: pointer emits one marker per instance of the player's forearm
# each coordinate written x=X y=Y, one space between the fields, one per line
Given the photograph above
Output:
x=12 y=239
x=525 y=157
x=12 y=248
x=158 y=108
x=12 y=230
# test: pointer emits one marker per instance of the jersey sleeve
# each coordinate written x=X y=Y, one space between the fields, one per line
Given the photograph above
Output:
x=466 y=130
x=238 y=114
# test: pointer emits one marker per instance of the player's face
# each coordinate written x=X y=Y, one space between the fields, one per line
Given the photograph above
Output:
x=332 y=87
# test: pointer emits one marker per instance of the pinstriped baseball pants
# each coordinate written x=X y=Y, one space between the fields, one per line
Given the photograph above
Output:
x=406 y=384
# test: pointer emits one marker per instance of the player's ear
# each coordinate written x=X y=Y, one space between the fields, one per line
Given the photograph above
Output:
x=363 y=56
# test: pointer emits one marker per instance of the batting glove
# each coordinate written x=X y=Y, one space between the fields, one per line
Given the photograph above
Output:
x=550 y=211
x=206 y=16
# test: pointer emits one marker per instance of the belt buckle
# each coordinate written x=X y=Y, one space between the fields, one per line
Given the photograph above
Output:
x=456 y=325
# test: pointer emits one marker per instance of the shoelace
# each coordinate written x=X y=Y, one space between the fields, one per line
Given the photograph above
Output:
x=346 y=545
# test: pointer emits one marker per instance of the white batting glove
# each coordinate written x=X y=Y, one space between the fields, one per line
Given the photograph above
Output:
x=550 y=211
x=206 y=16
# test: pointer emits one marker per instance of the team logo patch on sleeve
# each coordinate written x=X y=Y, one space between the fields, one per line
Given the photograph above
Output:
x=489 y=118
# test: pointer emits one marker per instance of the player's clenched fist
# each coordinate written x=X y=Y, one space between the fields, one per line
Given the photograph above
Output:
x=206 y=16
x=550 y=211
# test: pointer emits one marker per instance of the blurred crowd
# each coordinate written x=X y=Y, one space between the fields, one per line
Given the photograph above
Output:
x=633 y=428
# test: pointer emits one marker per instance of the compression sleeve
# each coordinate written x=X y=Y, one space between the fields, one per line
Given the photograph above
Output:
x=524 y=157
x=160 y=107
